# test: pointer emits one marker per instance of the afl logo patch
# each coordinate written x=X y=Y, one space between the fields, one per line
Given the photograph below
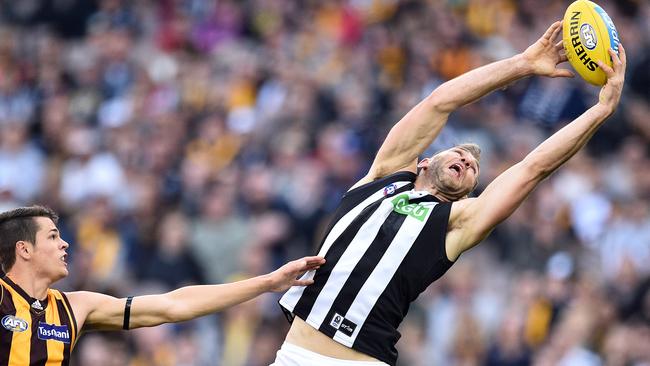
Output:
x=390 y=189
x=337 y=319
x=588 y=36
x=14 y=324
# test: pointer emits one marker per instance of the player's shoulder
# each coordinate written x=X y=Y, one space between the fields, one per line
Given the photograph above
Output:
x=84 y=301
x=369 y=183
x=87 y=296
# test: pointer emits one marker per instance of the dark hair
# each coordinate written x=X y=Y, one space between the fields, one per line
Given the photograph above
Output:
x=19 y=225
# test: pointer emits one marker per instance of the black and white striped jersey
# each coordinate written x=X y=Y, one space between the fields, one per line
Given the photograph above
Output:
x=384 y=246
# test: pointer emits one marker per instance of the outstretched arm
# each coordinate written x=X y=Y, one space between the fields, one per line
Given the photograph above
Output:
x=473 y=219
x=411 y=136
x=103 y=312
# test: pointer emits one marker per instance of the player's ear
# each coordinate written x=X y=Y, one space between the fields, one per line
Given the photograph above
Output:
x=24 y=249
x=424 y=163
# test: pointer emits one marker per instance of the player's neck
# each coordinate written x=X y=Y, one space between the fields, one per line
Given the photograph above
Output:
x=421 y=185
x=34 y=285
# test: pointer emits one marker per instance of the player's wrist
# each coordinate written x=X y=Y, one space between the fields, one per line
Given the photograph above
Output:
x=523 y=65
x=605 y=109
x=266 y=282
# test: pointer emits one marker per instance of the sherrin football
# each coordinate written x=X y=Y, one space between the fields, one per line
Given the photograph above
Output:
x=587 y=33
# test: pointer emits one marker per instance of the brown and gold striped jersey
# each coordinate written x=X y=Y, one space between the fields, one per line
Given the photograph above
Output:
x=35 y=332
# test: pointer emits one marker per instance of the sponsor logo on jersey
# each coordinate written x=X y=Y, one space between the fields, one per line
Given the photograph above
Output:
x=401 y=205
x=343 y=325
x=54 y=332
x=14 y=324
x=37 y=305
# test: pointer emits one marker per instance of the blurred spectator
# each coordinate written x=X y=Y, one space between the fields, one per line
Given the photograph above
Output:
x=171 y=262
x=218 y=236
x=22 y=164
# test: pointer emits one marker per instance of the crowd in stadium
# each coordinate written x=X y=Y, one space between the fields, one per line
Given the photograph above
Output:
x=203 y=141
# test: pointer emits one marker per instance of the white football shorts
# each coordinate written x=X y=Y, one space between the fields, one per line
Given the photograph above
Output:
x=292 y=355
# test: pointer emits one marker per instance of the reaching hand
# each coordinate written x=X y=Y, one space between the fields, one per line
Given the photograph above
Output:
x=545 y=54
x=286 y=276
x=610 y=94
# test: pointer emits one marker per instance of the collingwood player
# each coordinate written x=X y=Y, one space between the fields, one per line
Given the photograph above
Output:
x=40 y=325
x=405 y=223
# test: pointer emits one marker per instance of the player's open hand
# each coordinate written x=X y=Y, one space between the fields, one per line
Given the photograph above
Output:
x=610 y=94
x=546 y=53
x=286 y=276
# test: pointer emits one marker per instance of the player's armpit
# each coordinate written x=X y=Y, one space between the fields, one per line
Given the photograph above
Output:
x=472 y=219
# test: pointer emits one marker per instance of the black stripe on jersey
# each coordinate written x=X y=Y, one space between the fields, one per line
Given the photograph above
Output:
x=6 y=308
x=332 y=257
x=429 y=245
x=435 y=232
x=38 y=347
x=73 y=320
x=362 y=270
x=64 y=321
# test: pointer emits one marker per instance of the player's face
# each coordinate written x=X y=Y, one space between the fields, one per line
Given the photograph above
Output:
x=453 y=172
x=50 y=251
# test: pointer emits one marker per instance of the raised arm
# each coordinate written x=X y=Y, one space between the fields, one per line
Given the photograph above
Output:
x=411 y=136
x=473 y=219
x=103 y=312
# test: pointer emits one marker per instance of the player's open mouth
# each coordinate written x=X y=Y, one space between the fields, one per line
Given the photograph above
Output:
x=457 y=168
x=63 y=258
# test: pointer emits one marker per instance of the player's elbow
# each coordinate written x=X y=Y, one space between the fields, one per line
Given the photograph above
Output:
x=439 y=102
x=172 y=311
x=535 y=169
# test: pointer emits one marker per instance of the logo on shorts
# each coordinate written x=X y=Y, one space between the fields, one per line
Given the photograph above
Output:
x=390 y=189
x=14 y=324
x=55 y=332
x=588 y=36
x=343 y=325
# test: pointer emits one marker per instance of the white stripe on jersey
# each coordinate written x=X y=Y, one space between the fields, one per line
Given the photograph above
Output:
x=292 y=296
x=350 y=258
x=382 y=274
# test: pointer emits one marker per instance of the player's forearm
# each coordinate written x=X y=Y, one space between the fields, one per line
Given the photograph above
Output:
x=565 y=143
x=475 y=84
x=411 y=136
x=194 y=301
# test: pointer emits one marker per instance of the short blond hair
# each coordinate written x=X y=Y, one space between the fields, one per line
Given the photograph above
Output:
x=471 y=148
